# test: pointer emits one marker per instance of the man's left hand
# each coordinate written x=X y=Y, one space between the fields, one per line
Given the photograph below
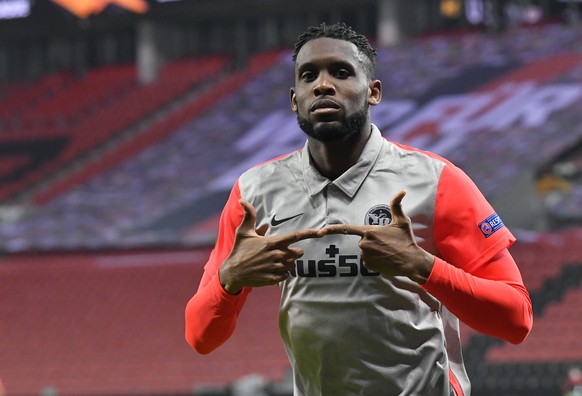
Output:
x=390 y=250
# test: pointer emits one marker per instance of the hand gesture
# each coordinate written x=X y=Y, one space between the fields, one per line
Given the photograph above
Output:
x=391 y=249
x=256 y=260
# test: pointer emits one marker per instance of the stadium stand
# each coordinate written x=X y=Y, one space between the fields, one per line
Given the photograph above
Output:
x=428 y=70
x=562 y=318
x=152 y=133
x=112 y=323
x=551 y=264
x=559 y=184
x=17 y=98
x=110 y=98
x=163 y=185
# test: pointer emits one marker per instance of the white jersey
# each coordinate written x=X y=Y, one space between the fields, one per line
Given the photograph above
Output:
x=347 y=330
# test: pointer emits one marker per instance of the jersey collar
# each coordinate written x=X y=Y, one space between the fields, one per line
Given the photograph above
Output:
x=353 y=178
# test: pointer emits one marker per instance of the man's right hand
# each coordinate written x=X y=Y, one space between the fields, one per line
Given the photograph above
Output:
x=257 y=260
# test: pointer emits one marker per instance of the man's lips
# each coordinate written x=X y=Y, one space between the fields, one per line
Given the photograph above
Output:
x=324 y=106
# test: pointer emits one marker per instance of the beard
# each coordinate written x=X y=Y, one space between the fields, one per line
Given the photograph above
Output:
x=349 y=126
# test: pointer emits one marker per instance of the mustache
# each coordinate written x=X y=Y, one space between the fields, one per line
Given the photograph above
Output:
x=324 y=103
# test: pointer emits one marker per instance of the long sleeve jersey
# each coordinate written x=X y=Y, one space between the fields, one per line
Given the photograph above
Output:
x=348 y=330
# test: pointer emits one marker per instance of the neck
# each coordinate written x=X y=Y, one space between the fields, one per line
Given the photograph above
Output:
x=332 y=159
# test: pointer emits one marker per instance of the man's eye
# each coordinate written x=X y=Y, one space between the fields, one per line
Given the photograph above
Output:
x=342 y=73
x=308 y=76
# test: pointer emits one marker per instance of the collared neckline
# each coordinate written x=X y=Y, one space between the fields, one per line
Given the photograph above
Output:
x=351 y=180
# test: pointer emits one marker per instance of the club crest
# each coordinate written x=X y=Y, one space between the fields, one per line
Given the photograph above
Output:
x=378 y=215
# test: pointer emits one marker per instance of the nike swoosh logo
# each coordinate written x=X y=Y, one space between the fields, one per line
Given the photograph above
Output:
x=275 y=222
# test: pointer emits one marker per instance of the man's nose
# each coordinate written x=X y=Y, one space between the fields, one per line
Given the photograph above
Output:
x=324 y=85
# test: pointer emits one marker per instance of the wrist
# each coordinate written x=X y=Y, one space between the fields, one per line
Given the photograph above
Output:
x=226 y=283
x=423 y=268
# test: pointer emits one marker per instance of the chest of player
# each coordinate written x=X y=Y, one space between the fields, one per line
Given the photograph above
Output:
x=290 y=207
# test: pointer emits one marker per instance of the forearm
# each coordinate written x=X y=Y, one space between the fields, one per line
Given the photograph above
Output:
x=211 y=316
x=496 y=304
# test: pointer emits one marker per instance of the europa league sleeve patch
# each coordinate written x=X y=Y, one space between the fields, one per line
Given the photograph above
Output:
x=490 y=225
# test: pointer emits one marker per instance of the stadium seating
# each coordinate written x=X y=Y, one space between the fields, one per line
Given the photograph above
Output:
x=202 y=135
x=555 y=337
x=155 y=132
x=556 y=334
x=18 y=98
x=551 y=264
x=91 y=110
x=112 y=323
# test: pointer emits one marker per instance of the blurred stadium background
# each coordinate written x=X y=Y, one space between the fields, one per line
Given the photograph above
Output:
x=124 y=123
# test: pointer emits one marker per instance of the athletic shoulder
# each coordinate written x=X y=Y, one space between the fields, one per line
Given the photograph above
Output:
x=405 y=149
x=265 y=168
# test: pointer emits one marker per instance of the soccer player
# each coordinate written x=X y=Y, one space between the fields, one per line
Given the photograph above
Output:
x=378 y=248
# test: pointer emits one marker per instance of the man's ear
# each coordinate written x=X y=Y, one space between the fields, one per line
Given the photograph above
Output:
x=293 y=100
x=375 y=92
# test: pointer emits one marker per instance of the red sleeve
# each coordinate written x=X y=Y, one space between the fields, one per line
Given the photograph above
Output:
x=476 y=278
x=468 y=233
x=492 y=300
x=211 y=314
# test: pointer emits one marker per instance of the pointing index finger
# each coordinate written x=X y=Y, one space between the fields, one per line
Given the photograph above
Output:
x=347 y=229
x=297 y=236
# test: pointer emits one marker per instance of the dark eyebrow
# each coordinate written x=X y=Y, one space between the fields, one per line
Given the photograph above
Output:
x=305 y=66
x=331 y=63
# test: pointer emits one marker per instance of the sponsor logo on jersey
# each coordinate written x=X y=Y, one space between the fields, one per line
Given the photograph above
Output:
x=336 y=265
x=378 y=215
x=490 y=225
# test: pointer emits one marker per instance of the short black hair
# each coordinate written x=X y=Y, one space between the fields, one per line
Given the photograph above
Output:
x=339 y=31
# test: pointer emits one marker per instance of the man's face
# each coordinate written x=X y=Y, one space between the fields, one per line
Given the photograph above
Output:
x=332 y=92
